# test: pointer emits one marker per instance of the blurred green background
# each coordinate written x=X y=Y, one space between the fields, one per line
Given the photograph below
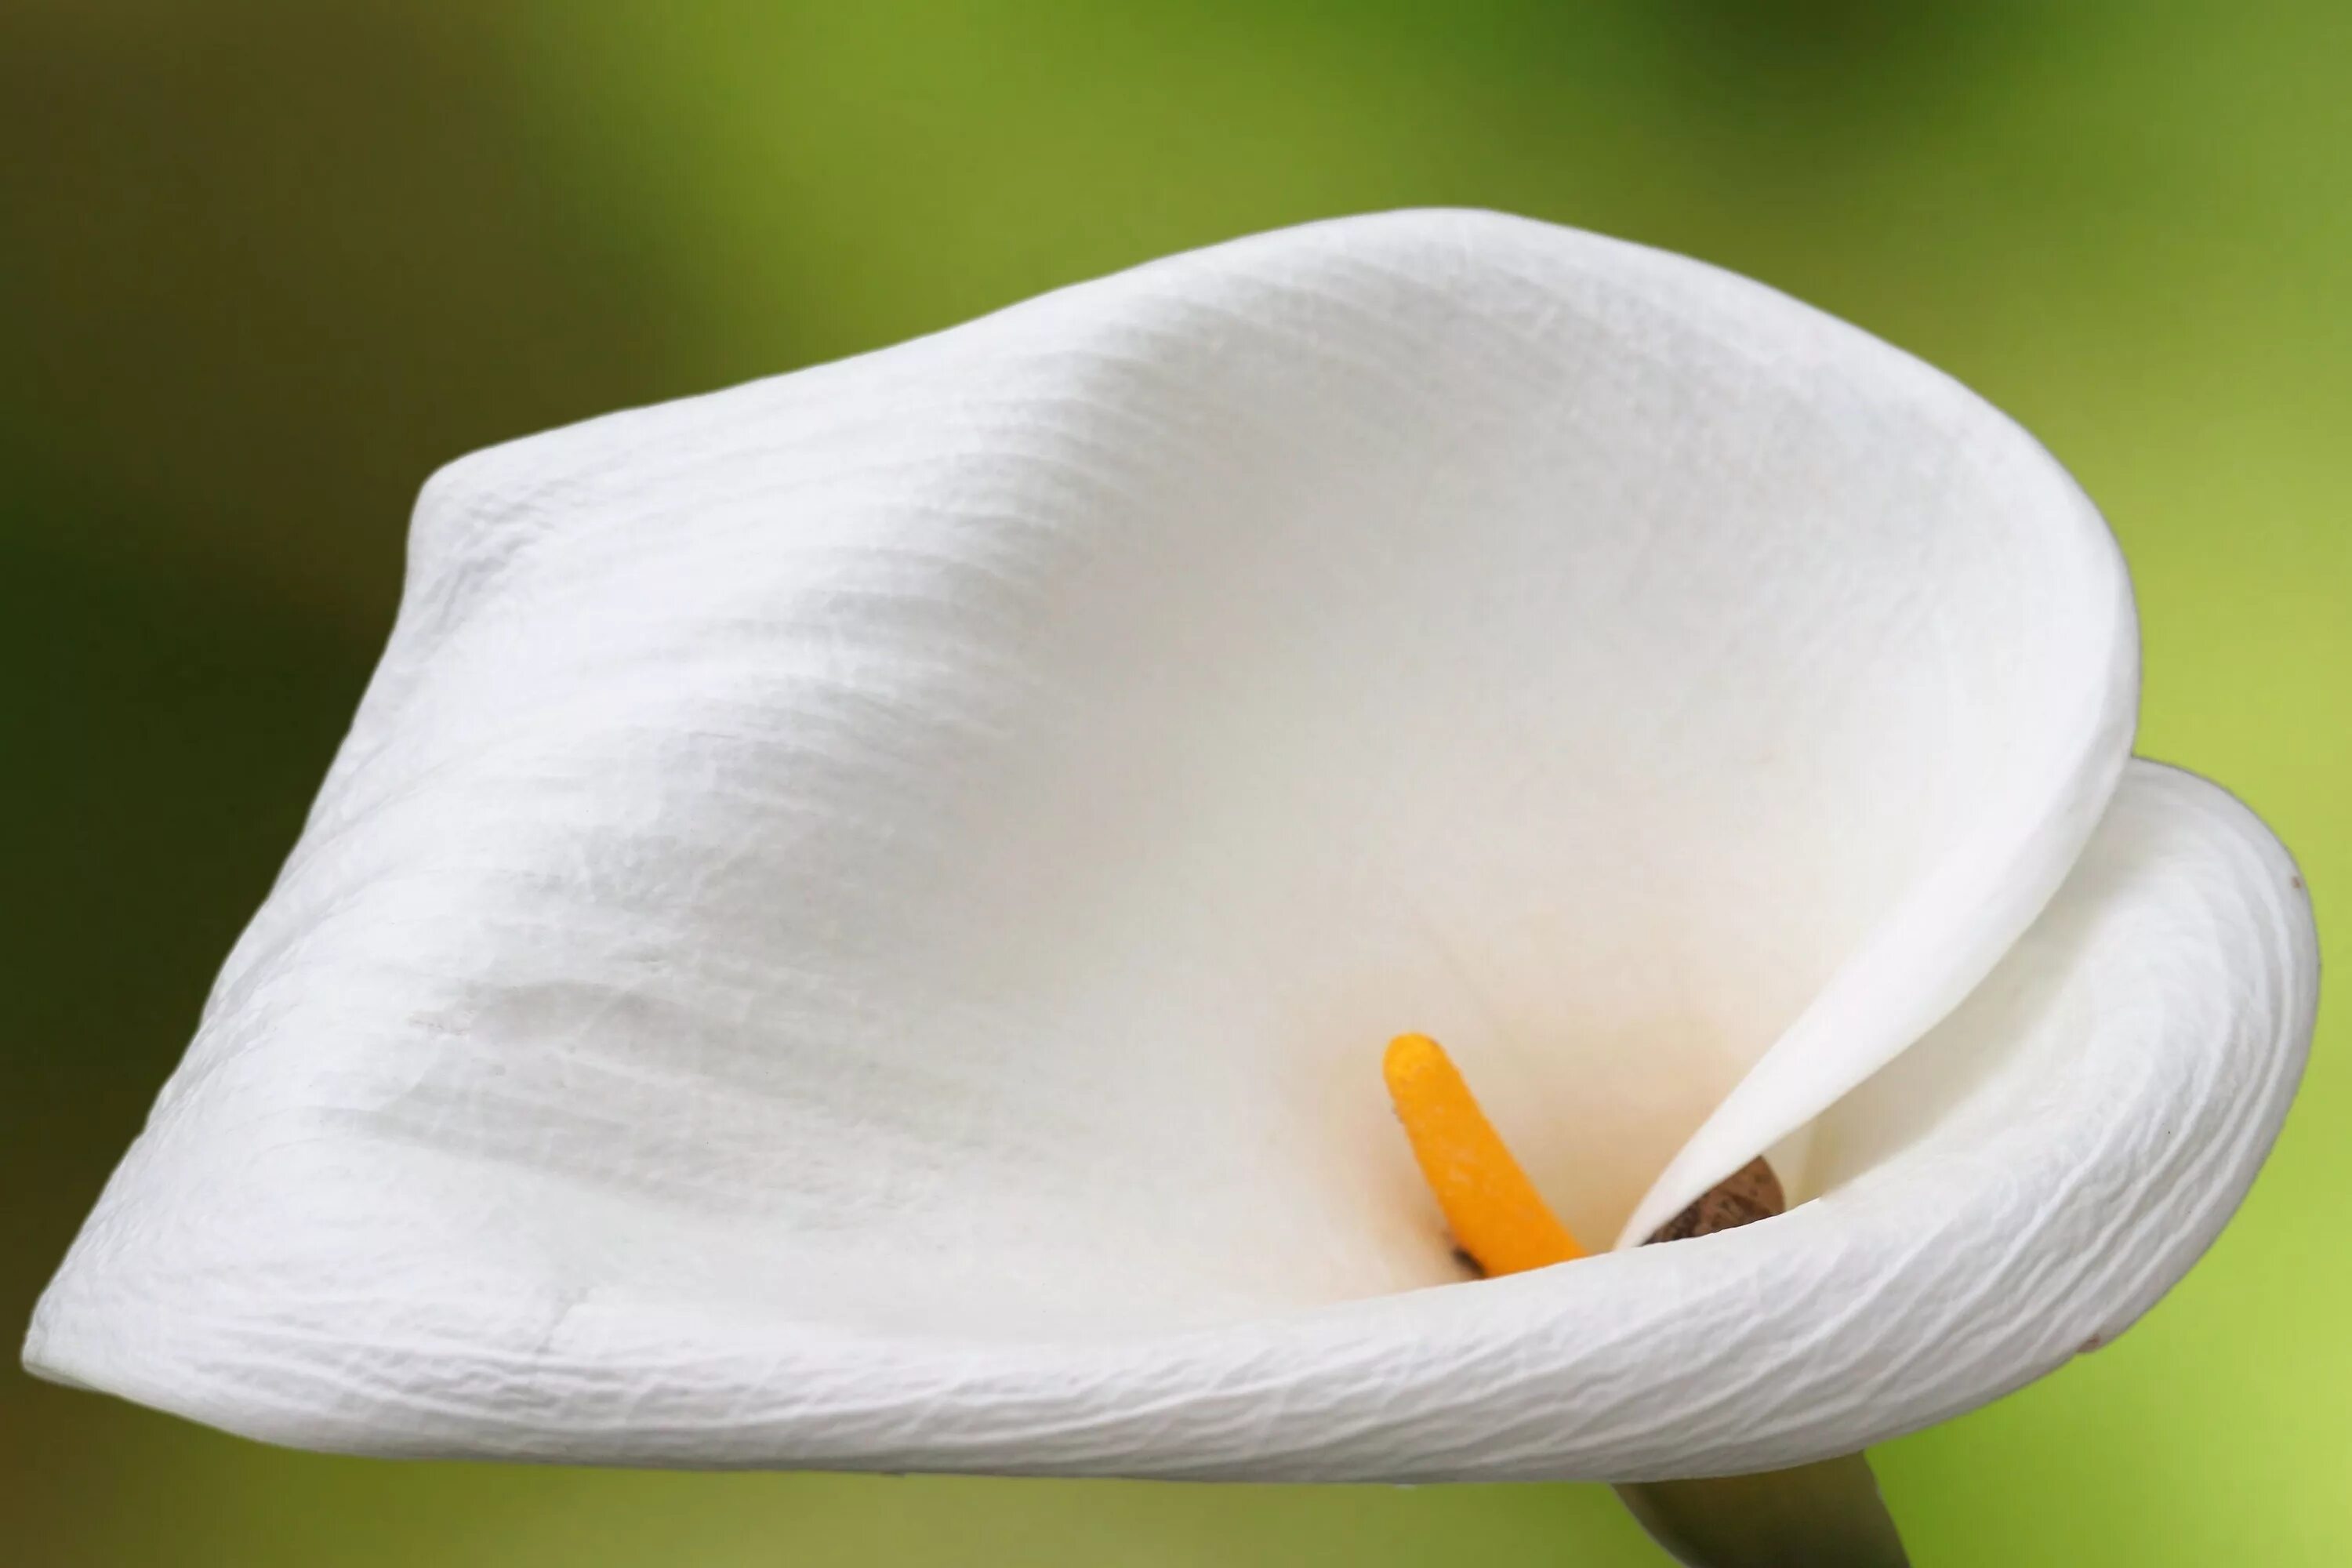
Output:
x=266 y=263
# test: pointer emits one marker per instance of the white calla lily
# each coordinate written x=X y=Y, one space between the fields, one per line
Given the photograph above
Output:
x=857 y=922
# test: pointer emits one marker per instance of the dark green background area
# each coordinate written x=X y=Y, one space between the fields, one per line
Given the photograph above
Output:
x=264 y=264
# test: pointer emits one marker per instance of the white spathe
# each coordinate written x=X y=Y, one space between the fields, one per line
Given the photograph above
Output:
x=856 y=923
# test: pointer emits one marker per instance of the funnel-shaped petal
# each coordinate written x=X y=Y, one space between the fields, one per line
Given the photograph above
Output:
x=857 y=922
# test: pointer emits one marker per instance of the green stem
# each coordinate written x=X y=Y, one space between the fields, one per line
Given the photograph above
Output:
x=1825 y=1515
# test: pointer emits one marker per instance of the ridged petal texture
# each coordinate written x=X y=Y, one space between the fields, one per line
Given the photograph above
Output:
x=857 y=922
